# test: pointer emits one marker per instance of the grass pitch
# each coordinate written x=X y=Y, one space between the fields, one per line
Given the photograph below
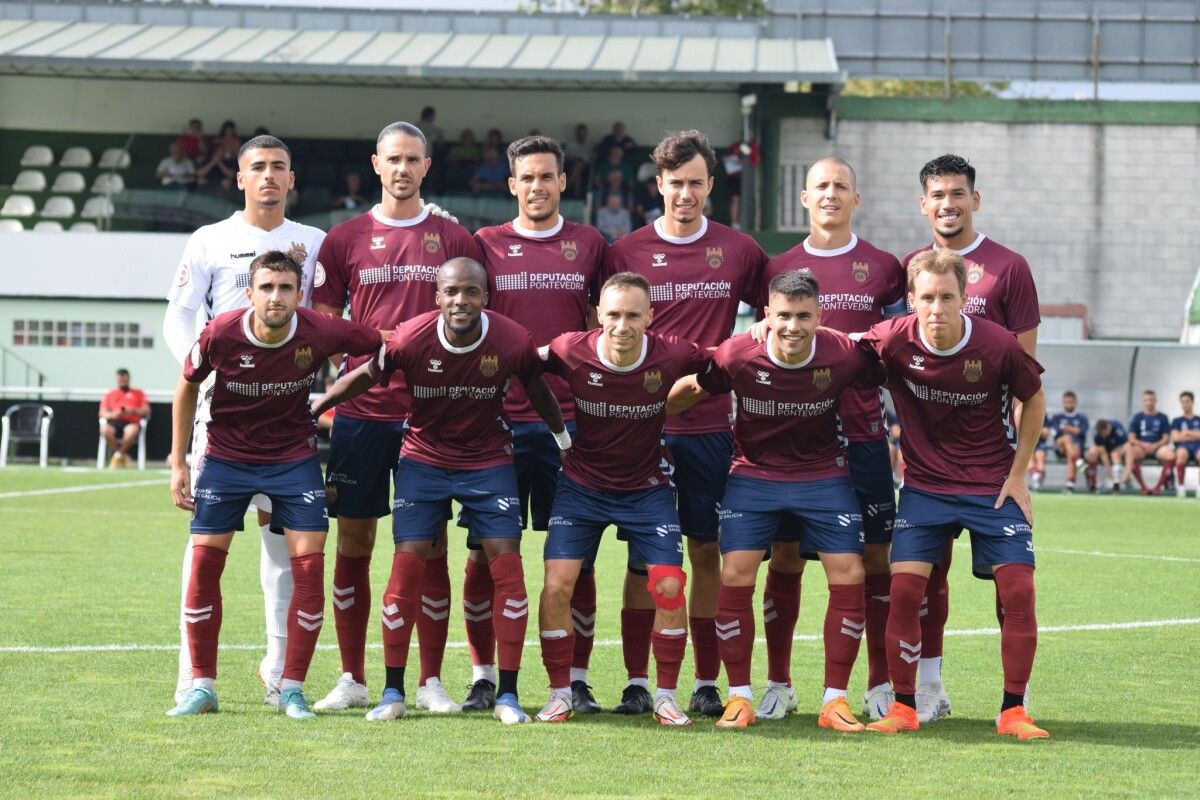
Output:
x=89 y=592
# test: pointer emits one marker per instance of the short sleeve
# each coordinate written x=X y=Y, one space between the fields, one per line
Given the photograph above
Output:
x=1024 y=372
x=873 y=340
x=897 y=288
x=529 y=365
x=869 y=371
x=391 y=354
x=463 y=245
x=192 y=280
x=756 y=269
x=331 y=276
x=1021 y=309
x=356 y=339
x=197 y=366
x=553 y=361
x=714 y=379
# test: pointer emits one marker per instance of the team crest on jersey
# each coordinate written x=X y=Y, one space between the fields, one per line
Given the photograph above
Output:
x=302 y=358
x=974 y=272
x=973 y=370
x=715 y=256
x=319 y=276
x=433 y=242
x=861 y=270
x=660 y=260
x=652 y=380
x=299 y=252
x=183 y=276
x=822 y=378
x=489 y=365
x=569 y=250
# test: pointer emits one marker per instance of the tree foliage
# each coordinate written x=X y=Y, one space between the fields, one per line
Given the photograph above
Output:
x=894 y=87
x=718 y=8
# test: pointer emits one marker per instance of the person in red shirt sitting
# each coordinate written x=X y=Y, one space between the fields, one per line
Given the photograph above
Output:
x=122 y=410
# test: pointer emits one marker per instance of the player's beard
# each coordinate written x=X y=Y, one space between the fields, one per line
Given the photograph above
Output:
x=461 y=329
x=400 y=196
x=286 y=320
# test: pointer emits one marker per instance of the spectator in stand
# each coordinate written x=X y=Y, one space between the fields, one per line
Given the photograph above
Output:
x=613 y=183
x=176 y=169
x=577 y=159
x=612 y=219
x=1185 y=436
x=223 y=160
x=434 y=135
x=490 y=177
x=352 y=195
x=732 y=161
x=193 y=142
x=465 y=150
x=122 y=410
x=647 y=200
x=261 y=130
x=1070 y=433
x=618 y=138
x=1149 y=432
x=1108 y=443
x=495 y=139
x=615 y=162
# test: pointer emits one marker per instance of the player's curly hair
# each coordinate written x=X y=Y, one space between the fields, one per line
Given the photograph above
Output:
x=948 y=164
x=532 y=145
x=939 y=262
x=681 y=147
x=276 y=261
x=799 y=284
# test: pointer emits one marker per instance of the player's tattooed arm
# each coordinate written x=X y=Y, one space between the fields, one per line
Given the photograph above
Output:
x=183 y=417
x=352 y=384
x=1028 y=433
x=684 y=394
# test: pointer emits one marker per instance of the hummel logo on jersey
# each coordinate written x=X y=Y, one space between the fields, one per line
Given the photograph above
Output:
x=595 y=379
x=514 y=251
x=377 y=243
x=764 y=377
x=247 y=361
x=248 y=254
x=435 y=365
x=918 y=362
x=660 y=260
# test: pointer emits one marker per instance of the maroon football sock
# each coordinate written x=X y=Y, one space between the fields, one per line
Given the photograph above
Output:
x=876 y=595
x=1136 y=469
x=845 y=621
x=511 y=616
x=781 y=609
x=1180 y=473
x=636 y=624
x=1092 y=469
x=734 y=628
x=1164 y=475
x=351 y=611
x=202 y=611
x=1018 y=638
x=556 y=657
x=706 y=653
x=937 y=605
x=306 y=614
x=669 y=647
x=477 y=613
x=401 y=605
x=583 y=619
x=433 y=623
x=904 y=631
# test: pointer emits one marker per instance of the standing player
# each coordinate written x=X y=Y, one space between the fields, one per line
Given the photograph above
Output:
x=543 y=272
x=1001 y=290
x=790 y=480
x=212 y=279
x=698 y=272
x=1070 y=432
x=1185 y=436
x=1107 y=445
x=383 y=265
x=263 y=439
x=458 y=362
x=1149 y=434
x=951 y=376
x=860 y=285
x=615 y=474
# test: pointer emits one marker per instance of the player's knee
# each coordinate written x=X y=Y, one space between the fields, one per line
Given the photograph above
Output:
x=704 y=556
x=665 y=584
x=558 y=588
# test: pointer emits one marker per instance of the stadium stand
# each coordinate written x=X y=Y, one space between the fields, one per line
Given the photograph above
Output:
x=58 y=207
x=76 y=158
x=11 y=226
x=48 y=226
x=69 y=183
x=30 y=180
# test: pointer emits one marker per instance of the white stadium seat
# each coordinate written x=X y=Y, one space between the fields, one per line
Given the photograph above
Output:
x=97 y=207
x=11 y=226
x=59 y=207
x=69 y=183
x=76 y=158
x=108 y=182
x=84 y=227
x=114 y=158
x=30 y=180
x=48 y=226
x=18 y=205
x=37 y=155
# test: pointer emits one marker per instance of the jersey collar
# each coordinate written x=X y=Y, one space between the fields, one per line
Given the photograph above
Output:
x=528 y=233
x=441 y=332
x=249 y=331
x=377 y=213
x=837 y=251
x=953 y=350
x=811 y=353
x=635 y=365
x=666 y=237
x=969 y=248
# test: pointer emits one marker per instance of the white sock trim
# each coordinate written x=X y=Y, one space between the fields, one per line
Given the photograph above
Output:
x=288 y=683
x=701 y=684
x=832 y=694
x=741 y=691
x=642 y=682
x=483 y=672
x=579 y=674
x=930 y=670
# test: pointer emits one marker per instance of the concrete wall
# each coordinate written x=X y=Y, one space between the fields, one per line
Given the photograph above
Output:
x=1105 y=214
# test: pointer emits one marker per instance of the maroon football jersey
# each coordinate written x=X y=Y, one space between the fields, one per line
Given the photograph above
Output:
x=620 y=411
x=260 y=412
x=387 y=271
x=458 y=392
x=954 y=405
x=696 y=284
x=787 y=426
x=546 y=281
x=999 y=285
x=857 y=282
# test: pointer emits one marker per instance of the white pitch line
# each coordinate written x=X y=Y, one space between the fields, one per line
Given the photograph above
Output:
x=802 y=637
x=1103 y=554
x=75 y=489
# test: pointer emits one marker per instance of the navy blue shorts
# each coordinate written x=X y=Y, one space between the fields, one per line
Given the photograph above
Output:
x=362 y=457
x=647 y=517
x=1078 y=440
x=871 y=476
x=822 y=515
x=701 y=467
x=423 y=493
x=224 y=489
x=1192 y=449
x=925 y=520
x=537 y=463
x=1040 y=447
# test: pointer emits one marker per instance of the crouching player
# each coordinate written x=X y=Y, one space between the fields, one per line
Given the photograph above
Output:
x=614 y=475
x=262 y=439
x=952 y=377
x=790 y=477
x=457 y=361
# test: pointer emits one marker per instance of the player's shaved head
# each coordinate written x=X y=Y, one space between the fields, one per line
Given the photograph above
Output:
x=939 y=262
x=797 y=284
x=400 y=128
x=831 y=161
x=459 y=268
